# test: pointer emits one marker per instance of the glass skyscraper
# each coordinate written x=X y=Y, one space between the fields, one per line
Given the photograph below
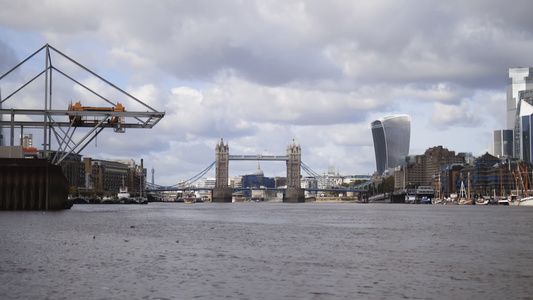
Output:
x=503 y=143
x=391 y=136
x=519 y=79
x=526 y=138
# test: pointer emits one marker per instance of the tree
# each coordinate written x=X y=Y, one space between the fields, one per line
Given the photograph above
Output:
x=388 y=184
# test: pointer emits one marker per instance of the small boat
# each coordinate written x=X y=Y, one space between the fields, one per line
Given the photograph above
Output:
x=503 y=202
x=190 y=198
x=123 y=194
x=527 y=201
x=140 y=200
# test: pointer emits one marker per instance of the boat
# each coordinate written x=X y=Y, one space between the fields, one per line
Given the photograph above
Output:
x=503 y=202
x=527 y=201
x=464 y=197
x=189 y=198
x=466 y=201
x=123 y=193
x=140 y=200
x=483 y=201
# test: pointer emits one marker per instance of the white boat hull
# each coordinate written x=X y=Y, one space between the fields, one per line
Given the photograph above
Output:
x=526 y=202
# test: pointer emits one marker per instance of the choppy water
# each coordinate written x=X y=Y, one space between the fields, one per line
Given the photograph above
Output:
x=267 y=251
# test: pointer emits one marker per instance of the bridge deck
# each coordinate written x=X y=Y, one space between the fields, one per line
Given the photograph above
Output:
x=259 y=157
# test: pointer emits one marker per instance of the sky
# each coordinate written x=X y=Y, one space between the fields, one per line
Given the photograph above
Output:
x=261 y=73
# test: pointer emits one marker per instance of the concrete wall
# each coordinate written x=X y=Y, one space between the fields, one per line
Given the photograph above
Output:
x=11 y=152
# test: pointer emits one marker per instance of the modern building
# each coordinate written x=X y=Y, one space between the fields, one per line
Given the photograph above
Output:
x=520 y=79
x=257 y=180
x=27 y=140
x=206 y=183
x=391 y=136
x=503 y=143
x=490 y=176
x=525 y=138
x=519 y=104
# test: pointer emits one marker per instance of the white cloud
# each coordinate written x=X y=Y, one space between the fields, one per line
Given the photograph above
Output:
x=259 y=73
x=453 y=115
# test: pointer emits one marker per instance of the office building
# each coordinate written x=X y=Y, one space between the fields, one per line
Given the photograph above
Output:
x=525 y=138
x=524 y=111
x=391 y=136
x=520 y=79
x=503 y=143
x=27 y=140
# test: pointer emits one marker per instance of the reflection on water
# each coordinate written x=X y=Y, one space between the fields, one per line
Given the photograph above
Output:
x=267 y=251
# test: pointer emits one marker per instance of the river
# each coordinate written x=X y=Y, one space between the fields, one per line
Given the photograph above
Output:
x=267 y=251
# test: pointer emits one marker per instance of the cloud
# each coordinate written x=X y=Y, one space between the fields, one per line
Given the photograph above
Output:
x=260 y=73
x=9 y=58
x=453 y=115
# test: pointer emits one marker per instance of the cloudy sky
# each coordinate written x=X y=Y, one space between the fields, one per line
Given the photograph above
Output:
x=260 y=73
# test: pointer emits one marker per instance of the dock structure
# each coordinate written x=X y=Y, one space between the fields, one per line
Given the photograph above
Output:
x=61 y=124
x=32 y=184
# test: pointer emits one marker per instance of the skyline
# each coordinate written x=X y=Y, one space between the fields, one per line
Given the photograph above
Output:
x=260 y=73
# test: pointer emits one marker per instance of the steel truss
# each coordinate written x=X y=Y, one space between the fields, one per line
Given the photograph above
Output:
x=64 y=123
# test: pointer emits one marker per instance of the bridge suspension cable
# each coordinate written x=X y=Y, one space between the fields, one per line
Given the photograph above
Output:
x=328 y=182
x=322 y=180
x=180 y=185
x=196 y=177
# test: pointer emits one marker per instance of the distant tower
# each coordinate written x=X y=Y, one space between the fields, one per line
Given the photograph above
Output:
x=260 y=175
x=222 y=164
x=294 y=152
x=153 y=172
x=391 y=140
x=27 y=140
x=503 y=143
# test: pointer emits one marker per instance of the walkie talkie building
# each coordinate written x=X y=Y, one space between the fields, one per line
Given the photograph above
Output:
x=391 y=140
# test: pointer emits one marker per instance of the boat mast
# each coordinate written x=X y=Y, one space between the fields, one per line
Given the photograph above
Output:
x=468 y=198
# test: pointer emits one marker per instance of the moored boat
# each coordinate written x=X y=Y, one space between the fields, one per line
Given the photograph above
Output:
x=527 y=201
x=189 y=198
x=503 y=202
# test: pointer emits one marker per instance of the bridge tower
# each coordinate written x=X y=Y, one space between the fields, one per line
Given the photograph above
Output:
x=294 y=192
x=294 y=154
x=222 y=191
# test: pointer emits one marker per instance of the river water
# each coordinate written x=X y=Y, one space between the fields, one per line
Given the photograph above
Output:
x=268 y=251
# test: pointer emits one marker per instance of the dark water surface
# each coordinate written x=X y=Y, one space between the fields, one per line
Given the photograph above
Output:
x=268 y=251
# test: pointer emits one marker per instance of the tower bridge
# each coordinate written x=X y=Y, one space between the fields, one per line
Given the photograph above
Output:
x=223 y=192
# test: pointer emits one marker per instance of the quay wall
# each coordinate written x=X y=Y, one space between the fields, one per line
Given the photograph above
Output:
x=32 y=184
